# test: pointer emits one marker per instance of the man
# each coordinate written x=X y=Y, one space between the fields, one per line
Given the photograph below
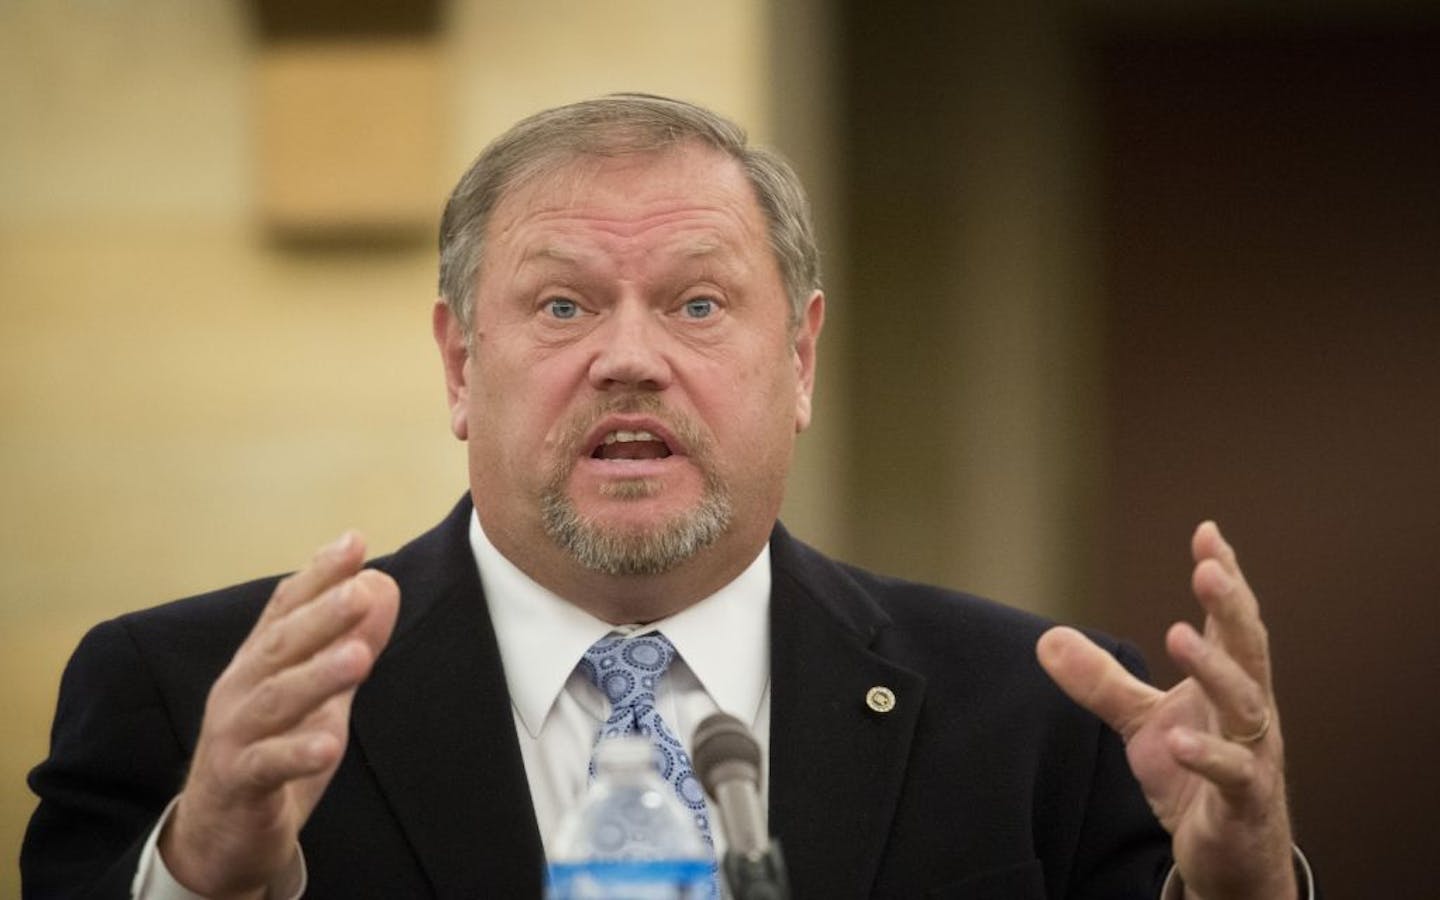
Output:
x=628 y=325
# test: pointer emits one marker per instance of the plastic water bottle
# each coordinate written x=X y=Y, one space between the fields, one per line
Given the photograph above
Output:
x=630 y=837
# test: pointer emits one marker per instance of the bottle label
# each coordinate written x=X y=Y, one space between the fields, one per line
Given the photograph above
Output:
x=594 y=879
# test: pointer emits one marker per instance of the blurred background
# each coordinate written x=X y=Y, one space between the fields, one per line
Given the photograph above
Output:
x=1097 y=270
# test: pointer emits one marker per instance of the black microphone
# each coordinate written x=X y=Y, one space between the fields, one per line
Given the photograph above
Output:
x=727 y=760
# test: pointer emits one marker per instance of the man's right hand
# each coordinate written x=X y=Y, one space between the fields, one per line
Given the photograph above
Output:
x=276 y=724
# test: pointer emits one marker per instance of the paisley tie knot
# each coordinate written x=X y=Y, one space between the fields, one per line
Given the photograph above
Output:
x=626 y=670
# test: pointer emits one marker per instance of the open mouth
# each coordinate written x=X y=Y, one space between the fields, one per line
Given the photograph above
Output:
x=624 y=444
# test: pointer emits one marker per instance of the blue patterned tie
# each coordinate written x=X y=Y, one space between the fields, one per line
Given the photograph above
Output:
x=626 y=670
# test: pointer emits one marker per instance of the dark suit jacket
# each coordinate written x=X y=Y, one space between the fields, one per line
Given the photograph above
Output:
x=983 y=781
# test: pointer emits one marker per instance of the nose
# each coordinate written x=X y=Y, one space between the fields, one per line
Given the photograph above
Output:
x=630 y=351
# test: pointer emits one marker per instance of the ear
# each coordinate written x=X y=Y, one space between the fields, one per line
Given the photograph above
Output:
x=450 y=340
x=806 y=337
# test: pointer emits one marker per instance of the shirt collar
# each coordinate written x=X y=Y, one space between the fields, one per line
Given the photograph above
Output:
x=724 y=639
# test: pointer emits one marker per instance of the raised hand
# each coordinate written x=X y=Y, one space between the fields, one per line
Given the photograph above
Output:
x=1208 y=752
x=276 y=724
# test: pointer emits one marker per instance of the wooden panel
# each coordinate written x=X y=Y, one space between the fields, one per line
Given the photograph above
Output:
x=308 y=19
x=349 y=136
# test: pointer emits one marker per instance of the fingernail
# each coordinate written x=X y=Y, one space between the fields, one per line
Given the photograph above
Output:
x=340 y=545
x=1188 y=638
x=1050 y=649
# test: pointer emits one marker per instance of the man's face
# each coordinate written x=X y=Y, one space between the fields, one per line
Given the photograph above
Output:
x=636 y=381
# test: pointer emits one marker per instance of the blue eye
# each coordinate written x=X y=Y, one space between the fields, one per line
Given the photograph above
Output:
x=699 y=308
x=561 y=308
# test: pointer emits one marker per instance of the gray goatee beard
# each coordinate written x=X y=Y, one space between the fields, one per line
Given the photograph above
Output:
x=647 y=551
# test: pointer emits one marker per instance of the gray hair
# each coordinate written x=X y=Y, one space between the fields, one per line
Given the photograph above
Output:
x=615 y=125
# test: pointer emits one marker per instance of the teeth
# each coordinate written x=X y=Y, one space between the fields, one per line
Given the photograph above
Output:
x=625 y=437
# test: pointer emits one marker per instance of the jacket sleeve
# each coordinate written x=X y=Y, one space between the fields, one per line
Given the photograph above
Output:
x=115 y=762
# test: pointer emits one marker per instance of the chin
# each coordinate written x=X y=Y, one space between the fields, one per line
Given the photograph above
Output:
x=637 y=504
x=644 y=535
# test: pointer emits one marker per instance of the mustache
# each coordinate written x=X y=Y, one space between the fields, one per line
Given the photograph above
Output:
x=573 y=434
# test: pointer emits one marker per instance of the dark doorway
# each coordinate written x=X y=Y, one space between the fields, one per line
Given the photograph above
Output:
x=1272 y=212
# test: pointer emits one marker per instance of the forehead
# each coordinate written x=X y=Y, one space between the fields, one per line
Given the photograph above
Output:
x=691 y=192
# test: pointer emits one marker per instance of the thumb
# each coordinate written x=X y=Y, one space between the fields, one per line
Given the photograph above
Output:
x=1095 y=679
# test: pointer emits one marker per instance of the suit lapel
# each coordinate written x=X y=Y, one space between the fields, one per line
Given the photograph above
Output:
x=836 y=764
x=434 y=724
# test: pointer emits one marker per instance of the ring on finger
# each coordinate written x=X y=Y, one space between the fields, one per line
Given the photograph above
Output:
x=1255 y=736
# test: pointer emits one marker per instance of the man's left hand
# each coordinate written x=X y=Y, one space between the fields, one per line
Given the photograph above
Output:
x=1208 y=752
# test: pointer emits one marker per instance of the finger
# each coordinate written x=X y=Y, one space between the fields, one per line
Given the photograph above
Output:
x=1241 y=704
x=1095 y=679
x=379 y=595
x=1209 y=543
x=1217 y=569
x=299 y=635
x=1234 y=612
x=369 y=602
x=282 y=701
x=331 y=564
x=1231 y=767
x=268 y=765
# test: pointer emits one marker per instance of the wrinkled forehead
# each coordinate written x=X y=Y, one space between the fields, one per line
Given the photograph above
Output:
x=632 y=178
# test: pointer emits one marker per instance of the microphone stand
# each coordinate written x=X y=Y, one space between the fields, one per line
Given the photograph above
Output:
x=727 y=760
x=757 y=875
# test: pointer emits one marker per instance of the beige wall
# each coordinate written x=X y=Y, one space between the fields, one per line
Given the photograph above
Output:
x=182 y=404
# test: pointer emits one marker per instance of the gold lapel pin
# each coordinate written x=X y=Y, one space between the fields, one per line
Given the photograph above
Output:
x=880 y=698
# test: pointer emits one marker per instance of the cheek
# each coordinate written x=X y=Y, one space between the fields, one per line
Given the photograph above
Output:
x=750 y=407
x=522 y=400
